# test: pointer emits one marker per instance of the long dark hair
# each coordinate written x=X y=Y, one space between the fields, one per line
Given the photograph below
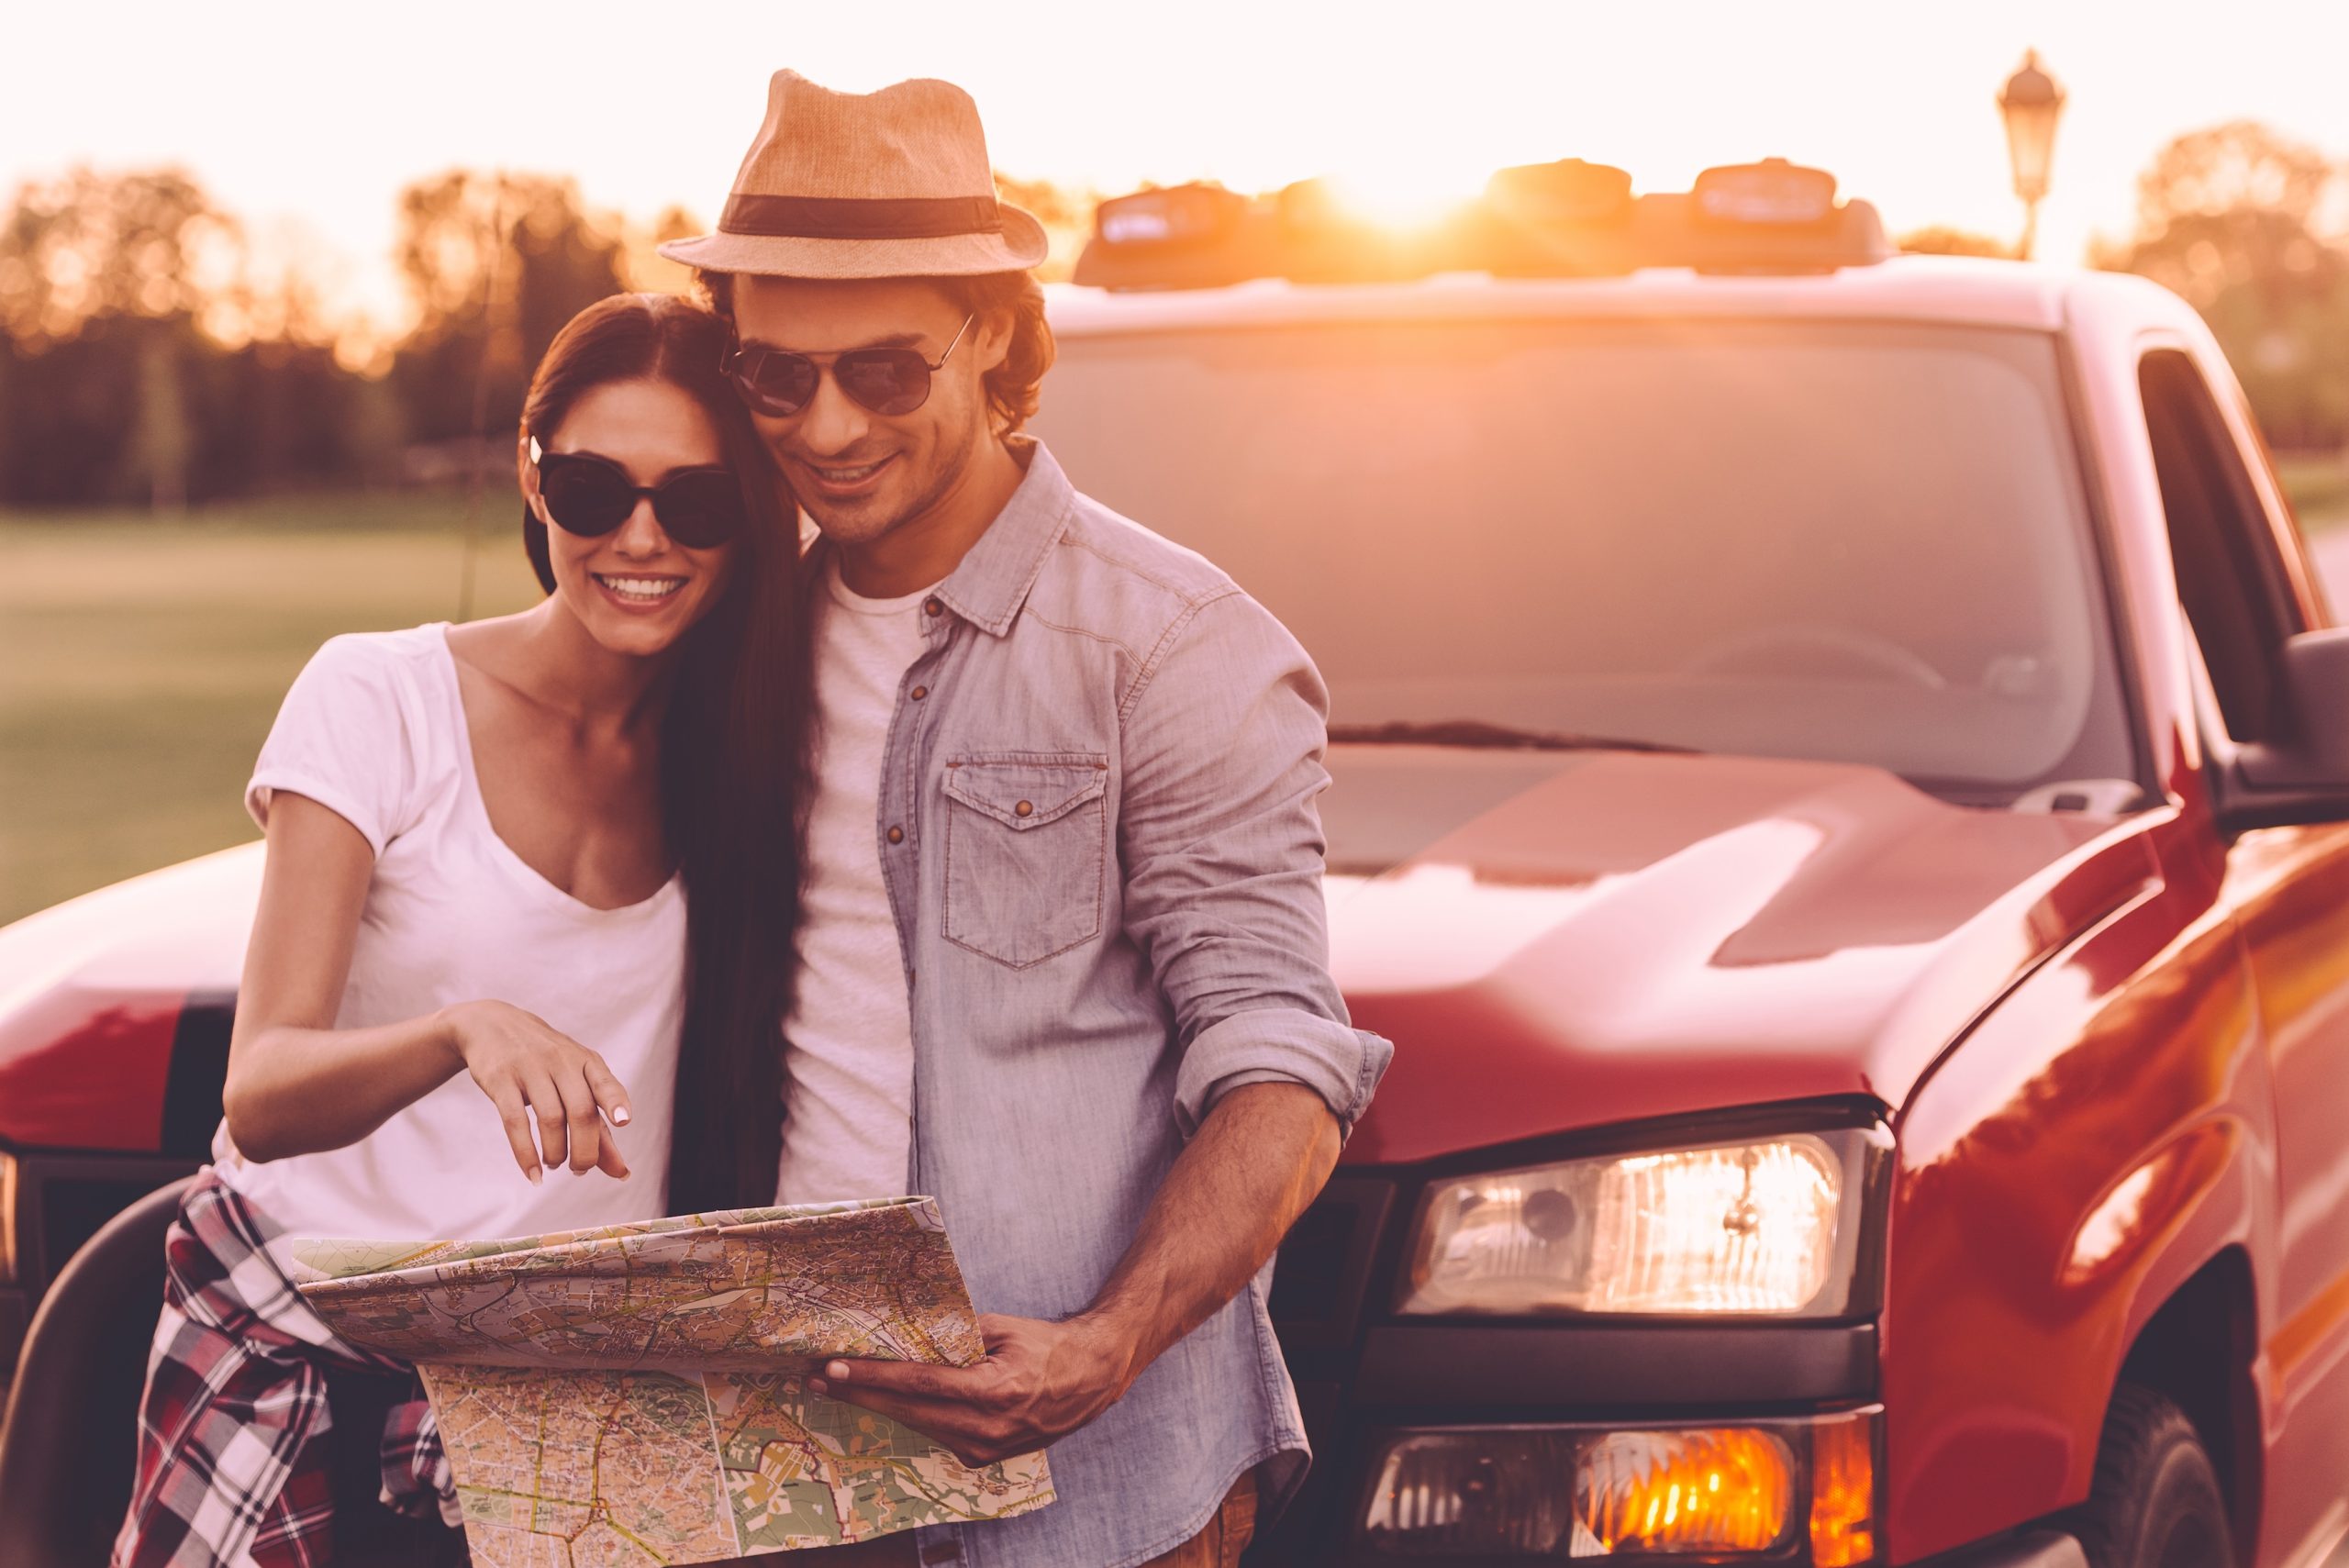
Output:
x=731 y=754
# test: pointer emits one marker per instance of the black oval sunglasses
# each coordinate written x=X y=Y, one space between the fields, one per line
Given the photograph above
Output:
x=888 y=381
x=591 y=495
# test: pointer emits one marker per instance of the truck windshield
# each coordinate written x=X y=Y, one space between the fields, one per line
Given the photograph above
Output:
x=1862 y=543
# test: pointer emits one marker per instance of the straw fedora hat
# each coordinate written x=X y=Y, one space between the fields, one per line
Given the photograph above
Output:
x=887 y=184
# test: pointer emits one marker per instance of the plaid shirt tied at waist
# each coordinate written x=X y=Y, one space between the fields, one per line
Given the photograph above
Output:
x=232 y=1457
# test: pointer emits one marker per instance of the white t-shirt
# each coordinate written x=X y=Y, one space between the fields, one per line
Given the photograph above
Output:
x=374 y=731
x=848 y=1039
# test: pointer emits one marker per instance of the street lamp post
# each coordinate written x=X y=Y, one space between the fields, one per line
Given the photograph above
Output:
x=2030 y=102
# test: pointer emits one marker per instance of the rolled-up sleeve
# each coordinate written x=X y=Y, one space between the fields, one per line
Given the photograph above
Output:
x=1220 y=836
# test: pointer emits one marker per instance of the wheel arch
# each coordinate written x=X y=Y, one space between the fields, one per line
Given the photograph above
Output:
x=2214 y=1308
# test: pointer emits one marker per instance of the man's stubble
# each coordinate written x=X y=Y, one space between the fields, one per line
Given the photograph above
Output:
x=851 y=530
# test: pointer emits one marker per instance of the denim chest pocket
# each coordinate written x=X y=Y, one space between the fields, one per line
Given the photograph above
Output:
x=1026 y=852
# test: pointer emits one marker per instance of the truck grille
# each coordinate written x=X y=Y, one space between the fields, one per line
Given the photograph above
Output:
x=1323 y=1272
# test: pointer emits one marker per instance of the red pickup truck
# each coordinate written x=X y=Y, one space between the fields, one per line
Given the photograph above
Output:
x=1842 y=803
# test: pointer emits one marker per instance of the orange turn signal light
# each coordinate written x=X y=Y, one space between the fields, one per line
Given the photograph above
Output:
x=1687 y=1490
x=1842 y=1491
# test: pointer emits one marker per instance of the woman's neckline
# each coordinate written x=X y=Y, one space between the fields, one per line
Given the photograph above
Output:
x=505 y=853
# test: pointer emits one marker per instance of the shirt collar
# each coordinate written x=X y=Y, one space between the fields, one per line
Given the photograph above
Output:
x=996 y=574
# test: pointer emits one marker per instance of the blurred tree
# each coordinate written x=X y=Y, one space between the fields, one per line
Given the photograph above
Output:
x=140 y=360
x=1066 y=215
x=1941 y=241
x=495 y=264
x=2232 y=206
x=152 y=349
x=89 y=245
x=2234 y=219
x=135 y=253
x=1055 y=206
x=161 y=440
x=370 y=438
x=643 y=268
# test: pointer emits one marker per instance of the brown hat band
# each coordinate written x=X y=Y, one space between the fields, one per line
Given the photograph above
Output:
x=852 y=217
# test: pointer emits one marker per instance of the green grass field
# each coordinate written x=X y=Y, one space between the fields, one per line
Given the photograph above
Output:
x=141 y=661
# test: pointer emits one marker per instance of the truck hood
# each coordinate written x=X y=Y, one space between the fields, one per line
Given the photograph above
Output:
x=1560 y=940
x=1552 y=941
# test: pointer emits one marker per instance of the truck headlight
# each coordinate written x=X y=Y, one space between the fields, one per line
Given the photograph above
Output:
x=1757 y=1226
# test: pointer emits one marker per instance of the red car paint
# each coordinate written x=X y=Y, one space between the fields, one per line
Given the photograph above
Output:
x=1637 y=924
x=90 y=994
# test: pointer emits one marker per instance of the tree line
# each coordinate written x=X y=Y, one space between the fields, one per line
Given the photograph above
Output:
x=145 y=358
x=2248 y=226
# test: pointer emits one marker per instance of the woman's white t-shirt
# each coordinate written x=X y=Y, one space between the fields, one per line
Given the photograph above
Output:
x=374 y=731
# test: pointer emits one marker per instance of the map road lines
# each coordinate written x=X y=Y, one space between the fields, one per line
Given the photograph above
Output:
x=635 y=1396
x=581 y=1469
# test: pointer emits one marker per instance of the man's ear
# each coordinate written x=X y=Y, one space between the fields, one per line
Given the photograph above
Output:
x=993 y=333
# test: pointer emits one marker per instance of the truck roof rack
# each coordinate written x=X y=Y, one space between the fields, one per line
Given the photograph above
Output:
x=1565 y=219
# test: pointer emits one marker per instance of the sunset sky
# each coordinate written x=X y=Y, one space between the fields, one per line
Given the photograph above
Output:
x=306 y=119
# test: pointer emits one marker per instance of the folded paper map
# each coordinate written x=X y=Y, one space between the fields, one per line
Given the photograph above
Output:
x=635 y=1395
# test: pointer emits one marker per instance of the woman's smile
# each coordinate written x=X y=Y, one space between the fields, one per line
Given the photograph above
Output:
x=638 y=591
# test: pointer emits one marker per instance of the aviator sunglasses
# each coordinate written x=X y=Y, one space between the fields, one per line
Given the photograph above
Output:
x=591 y=495
x=888 y=381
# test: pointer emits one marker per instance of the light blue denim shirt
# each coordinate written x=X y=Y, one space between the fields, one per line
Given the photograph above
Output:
x=1098 y=830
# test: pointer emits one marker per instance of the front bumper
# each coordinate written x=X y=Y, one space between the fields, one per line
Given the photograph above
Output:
x=2031 y=1548
x=58 y=1200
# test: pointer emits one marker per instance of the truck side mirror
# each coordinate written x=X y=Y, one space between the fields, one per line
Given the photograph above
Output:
x=2303 y=774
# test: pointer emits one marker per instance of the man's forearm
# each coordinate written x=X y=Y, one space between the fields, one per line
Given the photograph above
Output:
x=1259 y=1158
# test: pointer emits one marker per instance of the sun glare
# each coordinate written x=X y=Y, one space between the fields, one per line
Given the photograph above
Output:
x=1405 y=197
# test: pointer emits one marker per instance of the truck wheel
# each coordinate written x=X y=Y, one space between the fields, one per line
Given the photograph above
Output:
x=2155 y=1501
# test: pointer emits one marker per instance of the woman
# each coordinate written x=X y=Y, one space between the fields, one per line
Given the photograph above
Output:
x=475 y=1002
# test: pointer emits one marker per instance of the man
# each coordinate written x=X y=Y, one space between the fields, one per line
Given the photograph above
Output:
x=1071 y=978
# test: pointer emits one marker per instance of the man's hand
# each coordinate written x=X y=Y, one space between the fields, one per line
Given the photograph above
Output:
x=1039 y=1381
x=1256 y=1163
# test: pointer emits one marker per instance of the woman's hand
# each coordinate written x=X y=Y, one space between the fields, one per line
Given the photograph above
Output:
x=527 y=1068
x=298 y=1084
